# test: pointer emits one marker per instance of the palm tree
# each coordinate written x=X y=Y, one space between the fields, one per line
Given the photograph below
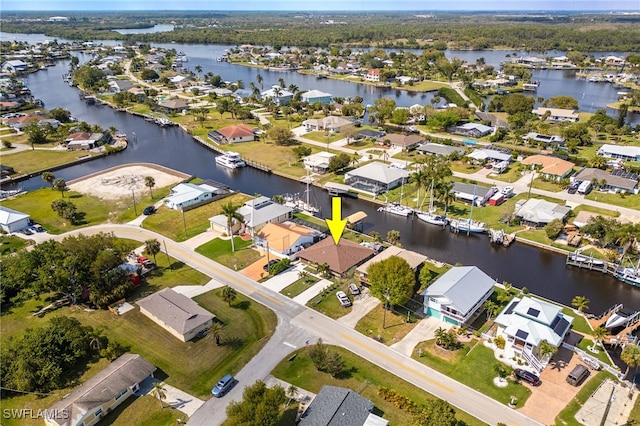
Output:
x=260 y=81
x=149 y=182
x=198 y=69
x=159 y=392
x=231 y=212
x=292 y=392
x=282 y=83
x=215 y=330
x=631 y=356
x=546 y=349
x=598 y=335
x=49 y=178
x=324 y=270
x=393 y=237
x=580 y=303
x=421 y=179
x=94 y=340
x=491 y=308
x=293 y=88
x=152 y=247
x=61 y=185
x=239 y=84
x=229 y=294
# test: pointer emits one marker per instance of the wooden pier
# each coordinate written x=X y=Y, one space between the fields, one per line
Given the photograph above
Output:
x=591 y=263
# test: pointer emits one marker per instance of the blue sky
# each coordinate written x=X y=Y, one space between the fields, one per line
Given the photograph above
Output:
x=323 y=5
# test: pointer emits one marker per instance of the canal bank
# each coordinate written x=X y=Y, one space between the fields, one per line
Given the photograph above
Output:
x=542 y=272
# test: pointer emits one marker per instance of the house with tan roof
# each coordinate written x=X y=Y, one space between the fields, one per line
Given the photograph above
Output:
x=102 y=393
x=332 y=122
x=173 y=105
x=411 y=257
x=176 y=313
x=399 y=140
x=232 y=134
x=339 y=257
x=557 y=114
x=286 y=239
x=551 y=167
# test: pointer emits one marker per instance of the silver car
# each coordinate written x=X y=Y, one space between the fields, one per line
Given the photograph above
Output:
x=343 y=298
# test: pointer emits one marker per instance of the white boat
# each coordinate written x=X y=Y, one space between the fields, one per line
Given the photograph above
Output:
x=629 y=275
x=619 y=318
x=468 y=225
x=396 y=208
x=231 y=160
x=430 y=216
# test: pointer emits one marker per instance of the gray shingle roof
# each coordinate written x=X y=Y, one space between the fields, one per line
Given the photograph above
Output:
x=463 y=286
x=380 y=172
x=121 y=374
x=438 y=149
x=335 y=406
x=175 y=310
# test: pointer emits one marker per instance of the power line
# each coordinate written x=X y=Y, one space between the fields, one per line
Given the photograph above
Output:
x=27 y=392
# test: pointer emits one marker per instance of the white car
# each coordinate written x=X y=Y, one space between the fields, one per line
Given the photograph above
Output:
x=507 y=190
x=343 y=298
x=353 y=289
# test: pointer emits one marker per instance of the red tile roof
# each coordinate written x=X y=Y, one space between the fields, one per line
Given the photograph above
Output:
x=236 y=131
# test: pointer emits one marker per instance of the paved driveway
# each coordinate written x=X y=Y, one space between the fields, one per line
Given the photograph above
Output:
x=362 y=304
x=255 y=271
x=424 y=330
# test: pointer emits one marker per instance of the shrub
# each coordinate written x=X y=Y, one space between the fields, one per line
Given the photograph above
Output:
x=500 y=342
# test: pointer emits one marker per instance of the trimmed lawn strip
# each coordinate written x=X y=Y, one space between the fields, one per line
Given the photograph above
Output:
x=512 y=174
x=169 y=222
x=361 y=376
x=26 y=162
x=144 y=410
x=219 y=250
x=585 y=343
x=567 y=415
x=629 y=201
x=396 y=326
x=592 y=209
x=299 y=286
x=464 y=368
x=328 y=304
x=11 y=244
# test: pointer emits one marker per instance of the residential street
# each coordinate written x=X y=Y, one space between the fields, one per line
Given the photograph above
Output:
x=297 y=324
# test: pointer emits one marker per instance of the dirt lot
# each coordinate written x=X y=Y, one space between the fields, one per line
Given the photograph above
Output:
x=119 y=182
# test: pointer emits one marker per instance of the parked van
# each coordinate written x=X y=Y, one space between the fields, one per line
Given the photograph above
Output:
x=577 y=375
x=584 y=188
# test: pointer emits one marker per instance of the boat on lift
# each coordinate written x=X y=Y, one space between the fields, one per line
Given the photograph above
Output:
x=619 y=318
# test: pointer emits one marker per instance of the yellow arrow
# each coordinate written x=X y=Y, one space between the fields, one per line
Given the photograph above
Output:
x=336 y=224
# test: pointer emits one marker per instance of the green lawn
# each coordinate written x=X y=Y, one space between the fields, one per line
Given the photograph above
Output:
x=463 y=167
x=321 y=136
x=592 y=209
x=32 y=161
x=144 y=410
x=546 y=185
x=11 y=244
x=298 y=286
x=512 y=174
x=463 y=367
x=91 y=210
x=628 y=201
x=171 y=224
x=220 y=251
x=396 y=326
x=327 y=303
x=434 y=272
x=601 y=355
x=567 y=415
x=361 y=376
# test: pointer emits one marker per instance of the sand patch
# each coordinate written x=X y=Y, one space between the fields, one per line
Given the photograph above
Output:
x=120 y=182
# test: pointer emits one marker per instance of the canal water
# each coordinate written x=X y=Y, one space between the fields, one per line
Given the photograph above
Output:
x=540 y=271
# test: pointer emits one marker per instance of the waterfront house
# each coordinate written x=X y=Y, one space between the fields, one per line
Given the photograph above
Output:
x=537 y=212
x=399 y=140
x=334 y=406
x=556 y=114
x=526 y=322
x=316 y=96
x=332 y=123
x=118 y=86
x=369 y=133
x=13 y=220
x=101 y=394
x=278 y=95
x=626 y=153
x=551 y=167
x=14 y=66
x=286 y=239
x=187 y=196
x=257 y=213
x=173 y=105
x=458 y=295
x=438 y=149
x=375 y=177
x=414 y=259
x=176 y=313
x=373 y=75
x=339 y=257
x=318 y=162
x=546 y=139
x=84 y=141
x=614 y=181
x=474 y=130
x=479 y=195
x=483 y=155
x=232 y=134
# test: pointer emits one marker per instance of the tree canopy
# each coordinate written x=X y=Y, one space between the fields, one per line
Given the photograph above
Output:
x=392 y=278
x=260 y=406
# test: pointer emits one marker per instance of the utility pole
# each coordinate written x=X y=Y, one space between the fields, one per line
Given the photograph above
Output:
x=133 y=194
x=184 y=223
x=386 y=302
x=167 y=253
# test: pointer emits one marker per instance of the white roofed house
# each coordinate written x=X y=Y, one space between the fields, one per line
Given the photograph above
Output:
x=458 y=295
x=475 y=130
x=627 y=153
x=278 y=95
x=314 y=96
x=492 y=155
x=331 y=122
x=526 y=322
x=479 y=195
x=256 y=213
x=176 y=313
x=537 y=212
x=318 y=162
x=557 y=114
x=14 y=66
x=12 y=220
x=186 y=196
x=375 y=177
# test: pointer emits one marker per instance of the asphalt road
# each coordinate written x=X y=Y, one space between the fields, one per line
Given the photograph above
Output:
x=297 y=324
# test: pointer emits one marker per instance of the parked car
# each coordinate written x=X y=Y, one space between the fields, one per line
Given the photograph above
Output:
x=37 y=227
x=354 y=289
x=223 y=386
x=27 y=231
x=268 y=266
x=527 y=376
x=573 y=188
x=592 y=363
x=578 y=375
x=507 y=191
x=343 y=298
x=149 y=210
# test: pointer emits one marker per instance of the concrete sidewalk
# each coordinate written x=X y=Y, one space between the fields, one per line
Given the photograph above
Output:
x=312 y=292
x=192 y=291
x=174 y=397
